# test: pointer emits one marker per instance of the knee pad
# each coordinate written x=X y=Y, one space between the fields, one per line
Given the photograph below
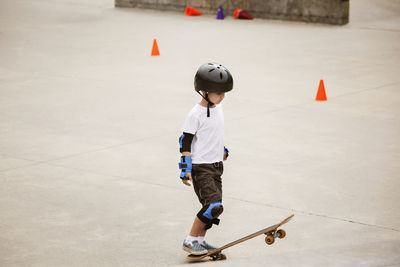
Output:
x=209 y=214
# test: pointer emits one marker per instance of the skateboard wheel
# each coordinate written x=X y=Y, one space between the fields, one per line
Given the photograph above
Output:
x=281 y=233
x=269 y=239
x=217 y=257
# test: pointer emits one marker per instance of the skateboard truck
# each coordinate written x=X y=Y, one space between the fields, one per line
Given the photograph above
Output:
x=270 y=236
x=218 y=256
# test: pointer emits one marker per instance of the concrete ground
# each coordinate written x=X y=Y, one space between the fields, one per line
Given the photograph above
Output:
x=89 y=127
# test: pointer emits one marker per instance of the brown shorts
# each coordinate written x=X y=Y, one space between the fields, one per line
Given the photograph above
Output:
x=207 y=182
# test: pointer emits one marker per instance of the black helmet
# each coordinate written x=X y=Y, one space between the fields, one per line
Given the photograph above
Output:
x=213 y=78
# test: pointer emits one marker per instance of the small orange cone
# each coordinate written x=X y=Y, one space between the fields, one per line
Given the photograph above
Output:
x=321 y=95
x=241 y=14
x=191 y=11
x=154 y=50
x=236 y=13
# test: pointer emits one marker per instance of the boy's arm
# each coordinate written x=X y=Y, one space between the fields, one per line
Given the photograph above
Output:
x=226 y=153
x=185 y=142
x=189 y=175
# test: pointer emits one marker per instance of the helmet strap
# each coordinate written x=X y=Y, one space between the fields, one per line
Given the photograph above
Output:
x=209 y=103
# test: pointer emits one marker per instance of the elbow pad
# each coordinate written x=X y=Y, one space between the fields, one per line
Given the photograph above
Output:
x=185 y=142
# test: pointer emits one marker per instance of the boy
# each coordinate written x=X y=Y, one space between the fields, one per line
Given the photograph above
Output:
x=202 y=148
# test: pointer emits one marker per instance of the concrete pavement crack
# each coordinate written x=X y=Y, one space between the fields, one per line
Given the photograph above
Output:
x=317 y=215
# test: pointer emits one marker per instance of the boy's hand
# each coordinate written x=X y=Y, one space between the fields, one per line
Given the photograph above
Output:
x=186 y=182
x=185 y=165
x=226 y=153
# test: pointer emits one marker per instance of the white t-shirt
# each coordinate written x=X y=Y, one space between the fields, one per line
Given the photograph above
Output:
x=208 y=140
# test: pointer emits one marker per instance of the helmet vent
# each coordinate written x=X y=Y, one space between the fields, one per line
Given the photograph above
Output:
x=220 y=75
x=211 y=70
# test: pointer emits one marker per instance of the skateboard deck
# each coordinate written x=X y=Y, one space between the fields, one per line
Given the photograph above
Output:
x=271 y=233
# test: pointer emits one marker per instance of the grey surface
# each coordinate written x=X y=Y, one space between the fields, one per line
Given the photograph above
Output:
x=326 y=11
x=89 y=125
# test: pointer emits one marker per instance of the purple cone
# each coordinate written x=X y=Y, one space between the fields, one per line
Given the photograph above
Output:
x=220 y=14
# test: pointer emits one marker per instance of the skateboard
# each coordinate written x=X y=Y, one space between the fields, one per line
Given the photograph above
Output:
x=271 y=233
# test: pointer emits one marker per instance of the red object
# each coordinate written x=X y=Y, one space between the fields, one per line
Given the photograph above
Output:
x=244 y=15
x=321 y=94
x=154 y=50
x=236 y=13
x=241 y=14
x=191 y=11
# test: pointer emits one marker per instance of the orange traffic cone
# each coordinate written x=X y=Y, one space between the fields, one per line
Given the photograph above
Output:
x=321 y=95
x=191 y=11
x=241 y=14
x=236 y=13
x=154 y=50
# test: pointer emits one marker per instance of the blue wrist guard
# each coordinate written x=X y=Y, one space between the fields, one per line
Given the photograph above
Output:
x=226 y=152
x=185 y=165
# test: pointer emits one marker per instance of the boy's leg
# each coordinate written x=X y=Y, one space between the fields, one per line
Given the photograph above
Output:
x=198 y=228
x=206 y=177
x=191 y=244
x=199 y=231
